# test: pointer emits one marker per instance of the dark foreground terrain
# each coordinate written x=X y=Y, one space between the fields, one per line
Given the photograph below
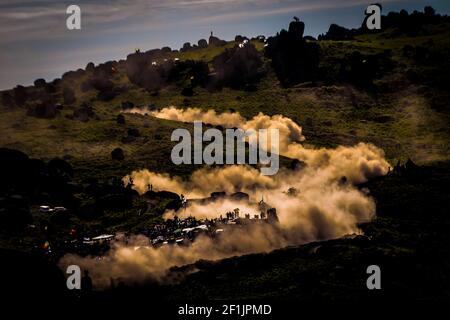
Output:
x=409 y=240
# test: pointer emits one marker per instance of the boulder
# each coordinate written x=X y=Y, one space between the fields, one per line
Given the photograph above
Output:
x=120 y=119
x=43 y=110
x=142 y=72
x=117 y=154
x=186 y=47
x=216 y=42
x=166 y=50
x=90 y=67
x=7 y=99
x=127 y=105
x=294 y=59
x=336 y=32
x=202 y=43
x=133 y=132
x=84 y=113
x=239 y=38
x=39 y=83
x=361 y=69
x=20 y=95
x=68 y=95
x=238 y=66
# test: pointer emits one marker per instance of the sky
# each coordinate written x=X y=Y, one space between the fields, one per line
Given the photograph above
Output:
x=35 y=42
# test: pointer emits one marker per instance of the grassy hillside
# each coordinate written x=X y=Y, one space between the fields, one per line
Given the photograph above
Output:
x=398 y=116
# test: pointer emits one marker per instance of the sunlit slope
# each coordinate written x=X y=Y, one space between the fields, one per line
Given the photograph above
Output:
x=407 y=115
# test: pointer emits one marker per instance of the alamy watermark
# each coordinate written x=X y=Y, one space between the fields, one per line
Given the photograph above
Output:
x=373 y=17
x=259 y=142
x=372 y=20
x=374 y=280
x=73 y=22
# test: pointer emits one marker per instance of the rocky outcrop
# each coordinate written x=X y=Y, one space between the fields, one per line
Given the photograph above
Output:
x=239 y=66
x=294 y=59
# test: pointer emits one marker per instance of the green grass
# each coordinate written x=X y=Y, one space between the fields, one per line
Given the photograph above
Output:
x=330 y=115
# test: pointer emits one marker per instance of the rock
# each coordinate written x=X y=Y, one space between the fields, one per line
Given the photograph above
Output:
x=43 y=110
x=166 y=50
x=106 y=70
x=101 y=84
x=68 y=95
x=240 y=39
x=239 y=66
x=84 y=113
x=120 y=119
x=261 y=38
x=297 y=28
x=202 y=43
x=133 y=132
x=294 y=59
x=106 y=95
x=186 y=47
x=90 y=67
x=7 y=99
x=60 y=168
x=195 y=72
x=336 y=32
x=361 y=70
x=20 y=95
x=39 y=83
x=104 y=86
x=117 y=154
x=214 y=41
x=127 y=105
x=72 y=75
x=143 y=73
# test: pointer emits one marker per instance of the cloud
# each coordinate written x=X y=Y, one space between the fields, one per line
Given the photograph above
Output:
x=324 y=205
x=46 y=19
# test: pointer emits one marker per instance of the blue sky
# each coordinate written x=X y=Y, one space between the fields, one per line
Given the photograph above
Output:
x=35 y=43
